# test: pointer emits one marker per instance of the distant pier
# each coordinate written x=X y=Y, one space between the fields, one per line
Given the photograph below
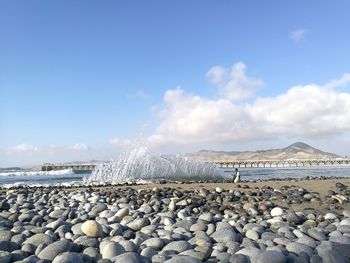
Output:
x=281 y=163
x=87 y=167
x=77 y=168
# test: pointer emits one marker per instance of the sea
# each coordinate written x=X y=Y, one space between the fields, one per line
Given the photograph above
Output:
x=68 y=177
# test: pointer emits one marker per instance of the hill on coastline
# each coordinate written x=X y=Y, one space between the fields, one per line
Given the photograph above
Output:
x=298 y=150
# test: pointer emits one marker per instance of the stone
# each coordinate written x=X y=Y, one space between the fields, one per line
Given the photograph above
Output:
x=155 y=242
x=57 y=213
x=239 y=258
x=92 y=228
x=328 y=255
x=5 y=257
x=276 y=211
x=69 y=257
x=93 y=253
x=111 y=250
x=8 y=246
x=225 y=235
x=270 y=256
x=40 y=238
x=138 y=223
x=315 y=234
x=58 y=247
x=306 y=240
x=5 y=235
x=330 y=216
x=182 y=259
x=121 y=213
x=252 y=235
x=344 y=228
x=128 y=257
x=198 y=227
x=299 y=248
x=178 y=246
x=251 y=252
x=148 y=252
x=292 y=217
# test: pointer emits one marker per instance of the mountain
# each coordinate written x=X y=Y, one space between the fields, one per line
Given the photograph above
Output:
x=298 y=150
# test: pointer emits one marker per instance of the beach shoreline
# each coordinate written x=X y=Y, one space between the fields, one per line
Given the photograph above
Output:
x=266 y=221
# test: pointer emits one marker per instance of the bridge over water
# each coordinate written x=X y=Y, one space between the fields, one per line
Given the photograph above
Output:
x=281 y=163
x=86 y=167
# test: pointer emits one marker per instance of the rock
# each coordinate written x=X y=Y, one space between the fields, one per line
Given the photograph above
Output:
x=299 y=248
x=344 y=228
x=93 y=253
x=128 y=246
x=328 y=255
x=40 y=238
x=292 y=217
x=138 y=223
x=155 y=242
x=4 y=205
x=239 y=258
x=252 y=234
x=306 y=240
x=57 y=213
x=8 y=246
x=122 y=212
x=198 y=227
x=277 y=211
x=178 y=246
x=183 y=259
x=148 y=252
x=330 y=216
x=314 y=233
x=225 y=235
x=128 y=257
x=92 y=228
x=251 y=252
x=111 y=250
x=69 y=257
x=271 y=256
x=58 y=247
x=219 y=190
x=345 y=221
x=5 y=257
x=5 y=235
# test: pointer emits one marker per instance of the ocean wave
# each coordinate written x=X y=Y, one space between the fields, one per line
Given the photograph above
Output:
x=38 y=173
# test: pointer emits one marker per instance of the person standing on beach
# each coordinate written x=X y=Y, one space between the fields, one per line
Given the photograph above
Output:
x=236 y=176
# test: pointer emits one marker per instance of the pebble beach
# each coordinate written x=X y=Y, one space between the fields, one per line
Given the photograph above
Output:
x=267 y=221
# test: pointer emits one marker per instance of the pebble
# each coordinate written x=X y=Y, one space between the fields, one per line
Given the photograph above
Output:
x=178 y=246
x=276 y=211
x=92 y=228
x=172 y=225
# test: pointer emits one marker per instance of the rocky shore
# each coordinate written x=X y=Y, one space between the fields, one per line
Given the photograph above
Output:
x=280 y=221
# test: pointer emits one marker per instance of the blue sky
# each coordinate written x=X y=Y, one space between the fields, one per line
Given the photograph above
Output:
x=76 y=76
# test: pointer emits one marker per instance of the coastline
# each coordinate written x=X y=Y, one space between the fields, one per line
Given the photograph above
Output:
x=267 y=221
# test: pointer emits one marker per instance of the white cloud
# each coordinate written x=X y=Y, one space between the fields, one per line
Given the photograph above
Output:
x=298 y=35
x=233 y=83
x=23 y=148
x=300 y=112
x=79 y=147
x=337 y=83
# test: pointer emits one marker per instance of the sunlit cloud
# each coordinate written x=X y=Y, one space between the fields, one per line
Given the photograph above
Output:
x=23 y=148
x=79 y=147
x=300 y=112
x=233 y=83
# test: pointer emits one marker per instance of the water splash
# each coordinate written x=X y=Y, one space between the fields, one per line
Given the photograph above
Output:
x=139 y=163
